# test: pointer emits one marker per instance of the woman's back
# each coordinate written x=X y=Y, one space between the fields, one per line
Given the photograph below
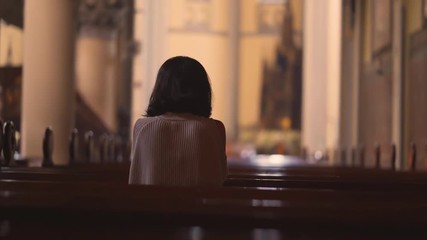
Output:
x=178 y=149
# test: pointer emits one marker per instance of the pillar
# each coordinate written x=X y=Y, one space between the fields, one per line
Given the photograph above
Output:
x=96 y=75
x=321 y=76
x=397 y=77
x=48 y=86
x=150 y=31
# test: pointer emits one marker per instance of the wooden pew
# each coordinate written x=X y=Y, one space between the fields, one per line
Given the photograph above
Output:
x=242 y=175
x=278 y=184
x=278 y=178
x=338 y=178
x=82 y=172
x=312 y=183
x=81 y=200
x=112 y=173
x=56 y=208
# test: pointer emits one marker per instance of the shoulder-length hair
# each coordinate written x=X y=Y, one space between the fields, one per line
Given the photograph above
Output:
x=182 y=86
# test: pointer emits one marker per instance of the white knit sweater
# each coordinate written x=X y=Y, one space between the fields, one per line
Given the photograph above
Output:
x=178 y=149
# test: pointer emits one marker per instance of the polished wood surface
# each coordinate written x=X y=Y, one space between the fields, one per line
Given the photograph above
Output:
x=67 y=206
x=338 y=178
x=94 y=200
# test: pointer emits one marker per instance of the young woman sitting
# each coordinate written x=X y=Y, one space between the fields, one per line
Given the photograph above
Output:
x=177 y=143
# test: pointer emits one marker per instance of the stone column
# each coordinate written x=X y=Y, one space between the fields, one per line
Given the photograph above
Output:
x=48 y=82
x=101 y=46
x=231 y=91
x=97 y=74
x=139 y=100
x=397 y=79
x=321 y=76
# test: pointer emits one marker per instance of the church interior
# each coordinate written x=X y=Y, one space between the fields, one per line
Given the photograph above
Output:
x=324 y=104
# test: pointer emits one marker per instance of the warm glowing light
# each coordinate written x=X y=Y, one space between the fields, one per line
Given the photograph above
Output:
x=275 y=160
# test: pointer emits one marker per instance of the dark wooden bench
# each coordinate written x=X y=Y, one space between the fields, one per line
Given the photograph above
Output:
x=240 y=175
x=111 y=172
x=324 y=178
x=55 y=208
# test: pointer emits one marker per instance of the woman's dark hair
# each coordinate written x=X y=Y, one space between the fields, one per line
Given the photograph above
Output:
x=182 y=86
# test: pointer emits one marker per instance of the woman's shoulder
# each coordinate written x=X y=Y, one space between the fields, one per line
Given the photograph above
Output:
x=142 y=123
x=174 y=119
x=218 y=123
x=219 y=126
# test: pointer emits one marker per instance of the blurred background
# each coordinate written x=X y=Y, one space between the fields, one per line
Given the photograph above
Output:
x=321 y=79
